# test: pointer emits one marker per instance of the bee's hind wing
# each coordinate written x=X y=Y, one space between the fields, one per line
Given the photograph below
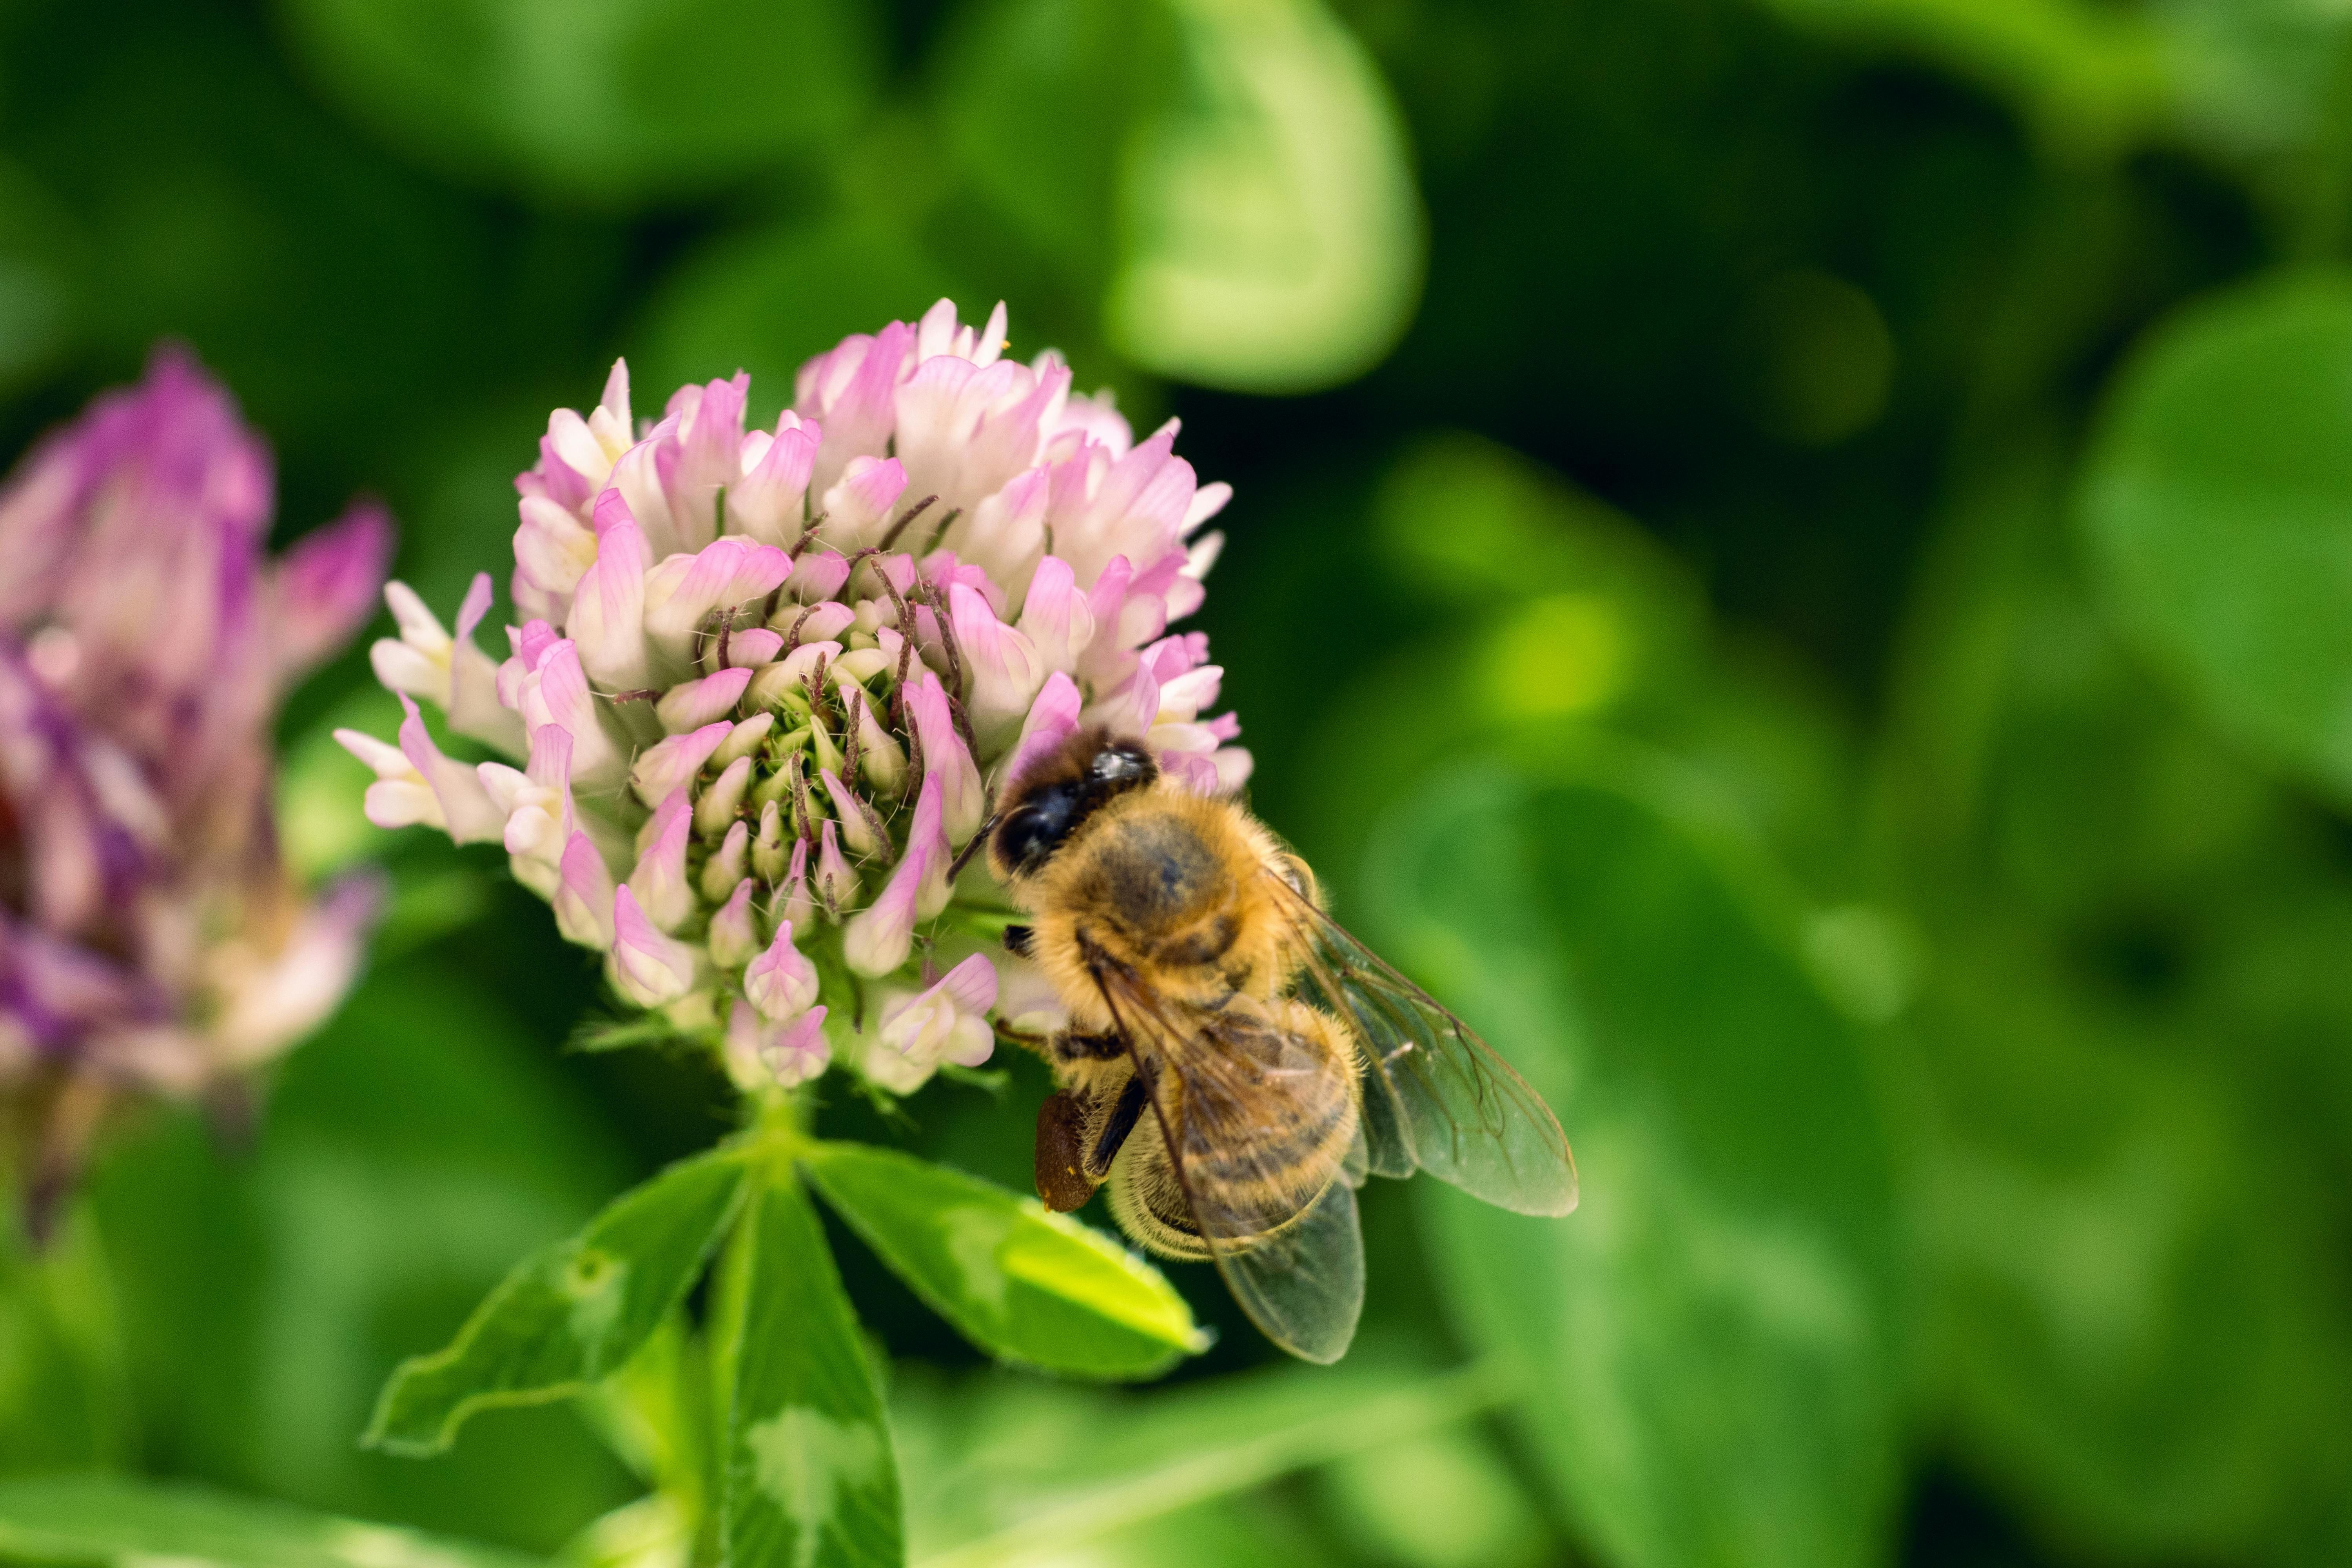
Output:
x=1436 y=1097
x=1303 y=1285
x=1297 y=1269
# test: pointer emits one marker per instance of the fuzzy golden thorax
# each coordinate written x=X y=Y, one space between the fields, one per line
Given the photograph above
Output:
x=1170 y=886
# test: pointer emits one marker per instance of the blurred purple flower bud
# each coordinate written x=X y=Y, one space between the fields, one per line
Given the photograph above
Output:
x=151 y=939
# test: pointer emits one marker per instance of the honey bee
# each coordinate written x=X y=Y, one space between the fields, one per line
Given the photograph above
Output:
x=1235 y=1063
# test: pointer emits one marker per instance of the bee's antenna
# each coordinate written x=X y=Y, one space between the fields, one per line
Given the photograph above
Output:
x=963 y=856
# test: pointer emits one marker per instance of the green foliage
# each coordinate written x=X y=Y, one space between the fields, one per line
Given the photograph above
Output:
x=766 y=299
x=1273 y=234
x=571 y=1315
x=36 y=299
x=1002 y=1473
x=2242 y=78
x=1816 y=615
x=2105 y=1044
x=810 y=1477
x=2125 y=1296
x=790 y=1399
x=1726 y=1302
x=2219 y=505
x=62 y=1382
x=1035 y=111
x=100 y=1521
x=1028 y=1286
x=407 y=1157
x=628 y=103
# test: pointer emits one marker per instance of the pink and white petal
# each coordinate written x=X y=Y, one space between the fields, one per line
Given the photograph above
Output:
x=695 y=703
x=608 y=608
x=583 y=895
x=466 y=806
x=860 y=506
x=659 y=877
x=648 y=967
x=671 y=765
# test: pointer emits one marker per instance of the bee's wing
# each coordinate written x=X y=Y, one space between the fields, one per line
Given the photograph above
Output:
x=1303 y=1285
x=1296 y=1268
x=1436 y=1097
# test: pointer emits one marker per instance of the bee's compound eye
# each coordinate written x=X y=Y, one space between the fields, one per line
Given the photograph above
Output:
x=1121 y=767
x=1028 y=835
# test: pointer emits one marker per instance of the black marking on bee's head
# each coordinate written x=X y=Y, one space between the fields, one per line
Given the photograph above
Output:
x=1059 y=791
x=1117 y=766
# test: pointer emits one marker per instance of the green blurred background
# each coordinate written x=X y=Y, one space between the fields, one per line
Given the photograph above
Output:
x=1793 y=558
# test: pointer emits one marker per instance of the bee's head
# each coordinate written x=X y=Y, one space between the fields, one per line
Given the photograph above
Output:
x=1058 y=791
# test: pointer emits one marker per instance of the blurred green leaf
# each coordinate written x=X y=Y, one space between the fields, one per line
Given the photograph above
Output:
x=2129 y=1314
x=2234 y=76
x=1028 y=1286
x=65 y=1396
x=766 y=299
x=1440 y=1499
x=1003 y=1472
x=2131 y=1052
x=2218 y=505
x=571 y=1315
x=1579 y=607
x=2090 y=77
x=2257 y=76
x=1549 y=612
x=810 y=1476
x=1271 y=233
x=105 y=1522
x=38 y=295
x=1035 y=98
x=621 y=102
x=406 y=1157
x=655 y=1531
x=656 y=1413
x=1708 y=1346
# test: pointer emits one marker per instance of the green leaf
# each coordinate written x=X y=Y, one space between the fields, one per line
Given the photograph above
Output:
x=1445 y=1498
x=572 y=1314
x=1273 y=233
x=1035 y=99
x=2133 y=1039
x=623 y=103
x=1555 y=613
x=1025 y=1285
x=766 y=299
x=411 y=1153
x=38 y=279
x=2237 y=77
x=1024 y=1472
x=123 y=1523
x=1722 y=1305
x=65 y=1399
x=2218 y=505
x=2136 y=1329
x=810 y=1479
x=2087 y=76
x=655 y=1531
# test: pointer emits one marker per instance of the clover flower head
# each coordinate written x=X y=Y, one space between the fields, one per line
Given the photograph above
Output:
x=150 y=939
x=764 y=686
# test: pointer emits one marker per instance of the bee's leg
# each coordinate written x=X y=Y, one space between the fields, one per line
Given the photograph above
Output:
x=1124 y=1113
x=1074 y=1050
x=1063 y=1183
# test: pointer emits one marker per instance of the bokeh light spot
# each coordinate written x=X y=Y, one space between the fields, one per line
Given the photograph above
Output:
x=1561 y=654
